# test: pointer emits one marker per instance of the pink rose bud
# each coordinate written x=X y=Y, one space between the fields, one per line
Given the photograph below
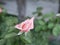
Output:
x=0 y=10
x=26 y=26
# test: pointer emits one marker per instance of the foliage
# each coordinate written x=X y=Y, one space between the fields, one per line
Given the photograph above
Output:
x=44 y=26
x=48 y=21
x=8 y=33
x=38 y=11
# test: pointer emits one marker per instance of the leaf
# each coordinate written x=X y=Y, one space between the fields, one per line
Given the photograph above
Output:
x=39 y=8
x=39 y=38
x=41 y=22
x=38 y=28
x=56 y=30
x=49 y=15
x=34 y=13
x=2 y=41
x=7 y=30
x=27 y=38
x=51 y=25
x=10 y=35
x=4 y=12
x=11 y=29
x=10 y=21
x=8 y=42
x=44 y=27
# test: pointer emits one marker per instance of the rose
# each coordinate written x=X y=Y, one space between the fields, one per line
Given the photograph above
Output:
x=0 y=10
x=26 y=26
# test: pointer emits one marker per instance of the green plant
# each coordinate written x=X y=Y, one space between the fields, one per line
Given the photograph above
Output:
x=44 y=26
x=38 y=11
x=8 y=33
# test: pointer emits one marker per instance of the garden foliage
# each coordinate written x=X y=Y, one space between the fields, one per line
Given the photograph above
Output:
x=44 y=26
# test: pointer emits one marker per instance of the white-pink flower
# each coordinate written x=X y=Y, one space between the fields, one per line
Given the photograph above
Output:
x=0 y=10
x=26 y=26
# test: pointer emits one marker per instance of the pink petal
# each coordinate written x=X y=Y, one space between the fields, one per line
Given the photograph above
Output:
x=24 y=30
x=32 y=23
x=18 y=26
x=21 y=25
x=26 y=26
x=0 y=10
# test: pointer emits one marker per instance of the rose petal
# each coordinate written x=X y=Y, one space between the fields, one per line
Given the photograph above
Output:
x=0 y=10
x=18 y=26
x=31 y=24
x=22 y=25
x=26 y=26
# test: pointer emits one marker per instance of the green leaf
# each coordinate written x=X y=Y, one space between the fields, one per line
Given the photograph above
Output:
x=39 y=8
x=41 y=22
x=10 y=35
x=11 y=29
x=44 y=27
x=49 y=15
x=51 y=25
x=8 y=42
x=11 y=21
x=2 y=41
x=27 y=38
x=38 y=28
x=56 y=30
x=34 y=13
